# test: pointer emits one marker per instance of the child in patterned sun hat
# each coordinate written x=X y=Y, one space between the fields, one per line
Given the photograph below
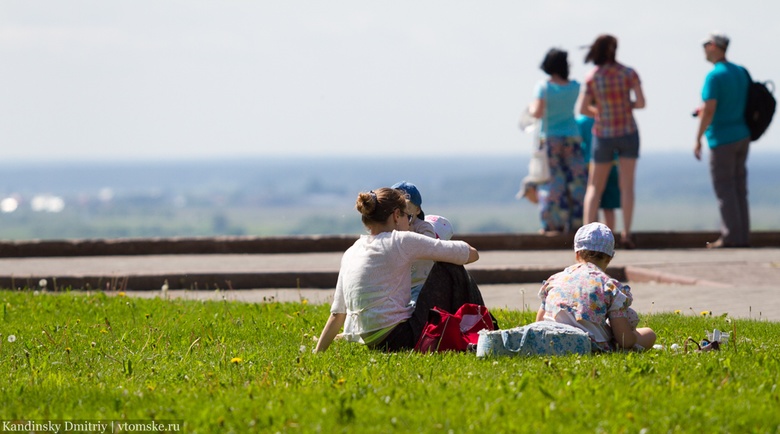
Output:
x=595 y=237
x=585 y=296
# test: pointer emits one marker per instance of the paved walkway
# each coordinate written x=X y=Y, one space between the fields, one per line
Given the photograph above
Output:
x=744 y=283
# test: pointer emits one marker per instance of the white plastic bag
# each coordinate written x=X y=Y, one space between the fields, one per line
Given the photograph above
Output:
x=539 y=166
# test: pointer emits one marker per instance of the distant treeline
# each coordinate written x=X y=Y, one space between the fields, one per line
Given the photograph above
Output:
x=316 y=195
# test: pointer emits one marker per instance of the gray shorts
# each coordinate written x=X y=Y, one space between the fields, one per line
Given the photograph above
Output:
x=605 y=148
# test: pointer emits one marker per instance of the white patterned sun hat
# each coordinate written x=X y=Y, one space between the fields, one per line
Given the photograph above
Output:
x=596 y=237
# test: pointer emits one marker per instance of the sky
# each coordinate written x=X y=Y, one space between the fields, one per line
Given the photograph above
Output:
x=164 y=80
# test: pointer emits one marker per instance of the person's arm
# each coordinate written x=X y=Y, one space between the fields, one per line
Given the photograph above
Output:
x=540 y=314
x=585 y=105
x=537 y=108
x=329 y=332
x=473 y=255
x=706 y=113
x=452 y=251
x=639 y=101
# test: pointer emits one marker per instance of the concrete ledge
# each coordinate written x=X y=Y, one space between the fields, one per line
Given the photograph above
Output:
x=321 y=280
x=192 y=281
x=334 y=243
x=174 y=246
x=489 y=276
x=212 y=281
x=638 y=274
x=644 y=240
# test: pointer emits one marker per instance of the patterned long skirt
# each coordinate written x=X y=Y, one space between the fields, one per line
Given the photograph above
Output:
x=563 y=204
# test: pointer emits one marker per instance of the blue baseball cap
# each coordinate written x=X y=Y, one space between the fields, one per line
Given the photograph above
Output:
x=412 y=193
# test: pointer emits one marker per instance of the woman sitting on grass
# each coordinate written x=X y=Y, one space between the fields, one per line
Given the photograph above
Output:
x=372 y=293
x=584 y=296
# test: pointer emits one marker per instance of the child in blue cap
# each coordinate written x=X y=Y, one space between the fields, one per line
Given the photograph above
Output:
x=420 y=268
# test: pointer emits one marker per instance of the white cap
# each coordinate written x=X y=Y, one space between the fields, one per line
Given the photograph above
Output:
x=596 y=237
x=441 y=226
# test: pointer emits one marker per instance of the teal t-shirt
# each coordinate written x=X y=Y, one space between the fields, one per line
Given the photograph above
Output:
x=585 y=125
x=727 y=83
x=558 y=119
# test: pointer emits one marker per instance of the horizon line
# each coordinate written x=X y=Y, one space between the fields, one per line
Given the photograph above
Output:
x=49 y=160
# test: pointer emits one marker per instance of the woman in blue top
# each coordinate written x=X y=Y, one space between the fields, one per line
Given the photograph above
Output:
x=562 y=209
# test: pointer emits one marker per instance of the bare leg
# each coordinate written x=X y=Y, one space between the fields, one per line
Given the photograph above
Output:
x=626 y=180
x=609 y=218
x=597 y=181
x=645 y=337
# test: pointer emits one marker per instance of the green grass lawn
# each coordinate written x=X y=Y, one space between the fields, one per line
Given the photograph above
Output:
x=237 y=367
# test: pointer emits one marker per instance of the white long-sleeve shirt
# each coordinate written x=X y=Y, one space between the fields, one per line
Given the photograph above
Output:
x=375 y=277
x=422 y=267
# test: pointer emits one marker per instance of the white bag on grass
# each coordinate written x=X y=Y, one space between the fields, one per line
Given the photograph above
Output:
x=539 y=338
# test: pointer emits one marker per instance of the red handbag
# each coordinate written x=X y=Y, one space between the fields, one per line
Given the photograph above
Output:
x=445 y=331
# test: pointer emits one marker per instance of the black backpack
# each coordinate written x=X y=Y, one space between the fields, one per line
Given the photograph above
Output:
x=760 y=106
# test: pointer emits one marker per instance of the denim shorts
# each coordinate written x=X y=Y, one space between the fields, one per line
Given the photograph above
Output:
x=605 y=148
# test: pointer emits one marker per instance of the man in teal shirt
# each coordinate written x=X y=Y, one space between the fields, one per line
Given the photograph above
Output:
x=722 y=121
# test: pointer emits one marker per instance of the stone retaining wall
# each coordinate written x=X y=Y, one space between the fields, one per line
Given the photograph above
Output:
x=335 y=243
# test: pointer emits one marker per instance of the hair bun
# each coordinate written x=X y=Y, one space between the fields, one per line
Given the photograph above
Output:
x=366 y=203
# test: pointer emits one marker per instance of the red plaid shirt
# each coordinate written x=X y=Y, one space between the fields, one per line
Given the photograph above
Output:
x=610 y=87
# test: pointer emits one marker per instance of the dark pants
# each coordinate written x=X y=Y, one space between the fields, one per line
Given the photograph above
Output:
x=729 y=178
x=447 y=287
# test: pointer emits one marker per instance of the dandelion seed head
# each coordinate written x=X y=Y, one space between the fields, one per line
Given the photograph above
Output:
x=11 y=338
x=42 y=283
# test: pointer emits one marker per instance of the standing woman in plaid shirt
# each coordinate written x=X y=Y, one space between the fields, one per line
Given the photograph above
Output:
x=608 y=98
